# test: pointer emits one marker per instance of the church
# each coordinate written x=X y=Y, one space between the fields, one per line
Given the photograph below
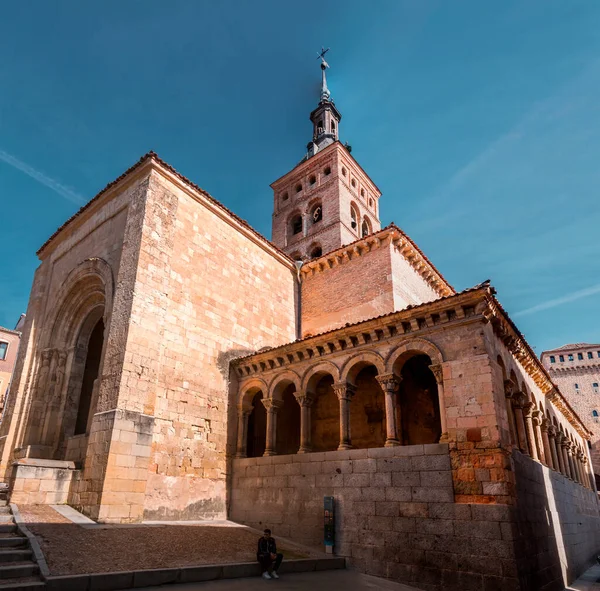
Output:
x=177 y=365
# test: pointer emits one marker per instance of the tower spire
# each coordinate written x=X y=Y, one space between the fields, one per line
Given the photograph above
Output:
x=325 y=118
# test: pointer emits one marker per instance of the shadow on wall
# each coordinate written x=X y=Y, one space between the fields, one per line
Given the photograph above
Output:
x=557 y=529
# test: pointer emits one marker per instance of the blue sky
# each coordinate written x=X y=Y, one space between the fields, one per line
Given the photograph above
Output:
x=479 y=121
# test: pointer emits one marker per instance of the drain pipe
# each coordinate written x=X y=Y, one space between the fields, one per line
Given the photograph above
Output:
x=298 y=300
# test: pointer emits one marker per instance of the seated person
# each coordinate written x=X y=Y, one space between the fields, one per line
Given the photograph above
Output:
x=267 y=555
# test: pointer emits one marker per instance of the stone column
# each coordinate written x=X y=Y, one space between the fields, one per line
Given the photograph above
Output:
x=438 y=372
x=242 y=434
x=272 y=407
x=509 y=393
x=591 y=479
x=305 y=403
x=565 y=456
x=528 y=409
x=389 y=384
x=569 y=448
x=549 y=456
x=537 y=424
x=579 y=465
x=344 y=393
x=559 y=454
x=519 y=402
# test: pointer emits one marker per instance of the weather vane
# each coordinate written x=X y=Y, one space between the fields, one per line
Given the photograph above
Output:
x=321 y=56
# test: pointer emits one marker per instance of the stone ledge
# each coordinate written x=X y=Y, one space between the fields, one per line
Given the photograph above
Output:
x=42 y=463
x=192 y=574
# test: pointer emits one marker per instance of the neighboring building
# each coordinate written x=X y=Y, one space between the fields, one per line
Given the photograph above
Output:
x=9 y=348
x=575 y=369
x=178 y=365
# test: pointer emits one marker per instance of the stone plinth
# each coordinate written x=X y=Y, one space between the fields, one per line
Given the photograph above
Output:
x=41 y=482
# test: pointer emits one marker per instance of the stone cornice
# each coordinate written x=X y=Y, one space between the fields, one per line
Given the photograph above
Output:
x=390 y=235
x=581 y=369
x=515 y=342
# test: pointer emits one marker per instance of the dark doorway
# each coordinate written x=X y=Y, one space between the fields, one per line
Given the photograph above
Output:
x=419 y=403
x=325 y=417
x=90 y=374
x=367 y=411
x=287 y=440
x=257 y=428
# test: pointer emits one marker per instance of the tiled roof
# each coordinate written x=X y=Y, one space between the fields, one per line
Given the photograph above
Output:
x=573 y=346
x=484 y=285
x=153 y=156
x=10 y=331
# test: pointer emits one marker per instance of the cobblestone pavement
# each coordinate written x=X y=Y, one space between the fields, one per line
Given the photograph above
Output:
x=316 y=581
x=588 y=581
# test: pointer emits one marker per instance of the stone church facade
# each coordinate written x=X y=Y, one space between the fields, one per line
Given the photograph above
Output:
x=178 y=365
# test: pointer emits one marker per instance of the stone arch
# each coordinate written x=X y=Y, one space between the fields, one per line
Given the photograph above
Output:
x=256 y=436
x=411 y=348
x=318 y=371
x=67 y=385
x=281 y=381
x=355 y=363
x=249 y=390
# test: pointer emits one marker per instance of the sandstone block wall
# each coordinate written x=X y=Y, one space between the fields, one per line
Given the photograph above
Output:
x=396 y=517
x=204 y=294
x=41 y=482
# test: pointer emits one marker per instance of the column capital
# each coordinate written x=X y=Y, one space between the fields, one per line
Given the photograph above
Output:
x=510 y=389
x=344 y=390
x=245 y=410
x=437 y=371
x=546 y=425
x=552 y=432
x=303 y=398
x=389 y=382
x=537 y=417
x=272 y=404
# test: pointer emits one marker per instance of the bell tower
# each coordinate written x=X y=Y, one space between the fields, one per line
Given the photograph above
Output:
x=327 y=200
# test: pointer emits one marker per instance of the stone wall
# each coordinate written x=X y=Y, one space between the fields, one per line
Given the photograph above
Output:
x=558 y=526
x=41 y=482
x=396 y=517
x=205 y=293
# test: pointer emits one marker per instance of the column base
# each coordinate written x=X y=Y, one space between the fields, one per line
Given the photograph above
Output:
x=240 y=456
x=342 y=446
x=304 y=450
x=269 y=452
x=392 y=443
x=444 y=438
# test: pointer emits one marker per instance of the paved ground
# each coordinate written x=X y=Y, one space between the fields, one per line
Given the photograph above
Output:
x=588 y=581
x=332 y=580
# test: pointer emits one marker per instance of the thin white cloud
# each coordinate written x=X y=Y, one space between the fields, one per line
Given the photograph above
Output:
x=41 y=178
x=576 y=295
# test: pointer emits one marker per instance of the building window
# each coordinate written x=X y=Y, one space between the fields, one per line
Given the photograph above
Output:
x=362 y=193
x=580 y=356
x=284 y=197
x=595 y=415
x=298 y=188
x=595 y=387
x=297 y=224
x=312 y=180
x=333 y=127
x=370 y=202
x=552 y=359
x=590 y=355
x=317 y=214
x=598 y=353
x=316 y=252
x=353 y=183
x=577 y=388
x=3 y=350
x=327 y=171
x=343 y=171
x=561 y=357
x=571 y=357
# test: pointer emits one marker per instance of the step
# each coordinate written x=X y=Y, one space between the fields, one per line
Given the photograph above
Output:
x=5 y=510
x=8 y=518
x=12 y=541
x=3 y=502
x=27 y=584
x=8 y=528
x=14 y=555
x=23 y=569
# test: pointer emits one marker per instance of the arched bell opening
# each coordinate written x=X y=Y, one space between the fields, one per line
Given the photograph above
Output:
x=325 y=414
x=287 y=439
x=257 y=427
x=418 y=401
x=367 y=410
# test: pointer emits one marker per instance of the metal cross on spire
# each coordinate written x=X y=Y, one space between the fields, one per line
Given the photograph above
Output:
x=325 y=94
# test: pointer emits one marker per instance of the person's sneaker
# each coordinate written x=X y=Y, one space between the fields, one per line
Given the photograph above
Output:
x=266 y=575
x=274 y=575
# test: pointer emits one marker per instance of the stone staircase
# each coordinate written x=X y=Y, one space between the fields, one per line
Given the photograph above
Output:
x=18 y=569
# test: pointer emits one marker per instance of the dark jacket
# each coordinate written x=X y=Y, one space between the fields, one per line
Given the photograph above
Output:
x=266 y=547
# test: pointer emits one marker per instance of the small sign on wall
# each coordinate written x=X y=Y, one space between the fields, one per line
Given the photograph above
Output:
x=329 y=524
